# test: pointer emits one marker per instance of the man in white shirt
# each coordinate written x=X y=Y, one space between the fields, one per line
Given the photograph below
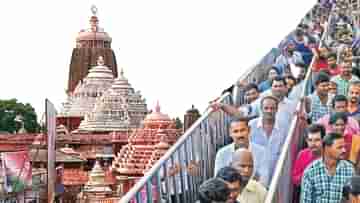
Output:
x=239 y=132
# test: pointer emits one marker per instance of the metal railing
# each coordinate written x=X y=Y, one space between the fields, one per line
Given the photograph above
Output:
x=281 y=187
x=192 y=156
x=195 y=149
x=8 y=200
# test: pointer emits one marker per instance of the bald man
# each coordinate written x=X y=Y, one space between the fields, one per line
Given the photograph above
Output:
x=243 y=162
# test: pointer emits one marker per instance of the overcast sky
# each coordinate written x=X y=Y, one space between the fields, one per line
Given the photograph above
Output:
x=178 y=52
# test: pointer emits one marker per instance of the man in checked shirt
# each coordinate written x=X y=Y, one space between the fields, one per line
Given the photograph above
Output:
x=324 y=179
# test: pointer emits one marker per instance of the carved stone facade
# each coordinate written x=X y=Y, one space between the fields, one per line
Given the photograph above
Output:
x=120 y=108
x=146 y=146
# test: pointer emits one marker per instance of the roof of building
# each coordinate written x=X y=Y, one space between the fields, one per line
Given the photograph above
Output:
x=80 y=177
x=40 y=155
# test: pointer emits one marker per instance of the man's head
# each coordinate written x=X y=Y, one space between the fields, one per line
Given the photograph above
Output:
x=332 y=88
x=239 y=132
x=290 y=47
x=214 y=190
x=302 y=73
x=290 y=82
x=339 y=103
x=346 y=70
x=334 y=146
x=273 y=72
x=316 y=132
x=322 y=84
x=242 y=161
x=354 y=92
x=331 y=60
x=338 y=121
x=251 y=93
x=299 y=35
x=278 y=87
x=233 y=179
x=269 y=107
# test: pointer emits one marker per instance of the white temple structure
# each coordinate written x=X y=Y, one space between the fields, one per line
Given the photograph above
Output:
x=83 y=99
x=120 y=108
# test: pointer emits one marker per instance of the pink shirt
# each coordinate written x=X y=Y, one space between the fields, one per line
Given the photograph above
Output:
x=304 y=159
x=352 y=126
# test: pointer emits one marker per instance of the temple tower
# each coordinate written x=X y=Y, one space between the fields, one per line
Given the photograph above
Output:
x=90 y=44
x=190 y=117
x=120 y=108
x=82 y=100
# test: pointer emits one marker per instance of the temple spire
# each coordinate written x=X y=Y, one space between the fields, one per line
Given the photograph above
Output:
x=94 y=10
x=94 y=21
x=122 y=72
x=157 y=107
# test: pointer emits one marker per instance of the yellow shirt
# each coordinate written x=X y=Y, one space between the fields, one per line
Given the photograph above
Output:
x=254 y=192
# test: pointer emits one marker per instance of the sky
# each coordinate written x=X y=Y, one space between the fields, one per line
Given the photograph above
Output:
x=178 y=52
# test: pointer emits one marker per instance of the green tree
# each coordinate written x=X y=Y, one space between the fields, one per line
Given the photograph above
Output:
x=178 y=123
x=10 y=109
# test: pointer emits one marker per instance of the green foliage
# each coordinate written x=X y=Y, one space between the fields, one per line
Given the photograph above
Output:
x=9 y=109
x=178 y=123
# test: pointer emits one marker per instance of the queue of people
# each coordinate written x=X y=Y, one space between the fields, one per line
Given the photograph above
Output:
x=327 y=169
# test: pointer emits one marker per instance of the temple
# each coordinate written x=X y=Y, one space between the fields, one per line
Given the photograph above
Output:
x=90 y=43
x=106 y=139
x=120 y=108
x=146 y=146
x=83 y=99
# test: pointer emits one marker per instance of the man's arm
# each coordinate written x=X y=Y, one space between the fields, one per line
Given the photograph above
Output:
x=229 y=109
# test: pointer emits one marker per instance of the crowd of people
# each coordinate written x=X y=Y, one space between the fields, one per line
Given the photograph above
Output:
x=327 y=168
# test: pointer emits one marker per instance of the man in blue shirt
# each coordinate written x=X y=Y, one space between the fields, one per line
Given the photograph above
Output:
x=265 y=85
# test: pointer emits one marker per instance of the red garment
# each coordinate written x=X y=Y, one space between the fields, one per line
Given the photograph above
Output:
x=335 y=71
x=320 y=65
x=304 y=159
x=348 y=142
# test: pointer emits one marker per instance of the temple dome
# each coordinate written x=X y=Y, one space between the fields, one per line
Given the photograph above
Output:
x=97 y=184
x=100 y=72
x=84 y=97
x=157 y=119
x=118 y=109
x=94 y=33
x=156 y=115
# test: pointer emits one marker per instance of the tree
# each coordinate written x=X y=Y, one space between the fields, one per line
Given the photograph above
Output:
x=10 y=109
x=178 y=123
